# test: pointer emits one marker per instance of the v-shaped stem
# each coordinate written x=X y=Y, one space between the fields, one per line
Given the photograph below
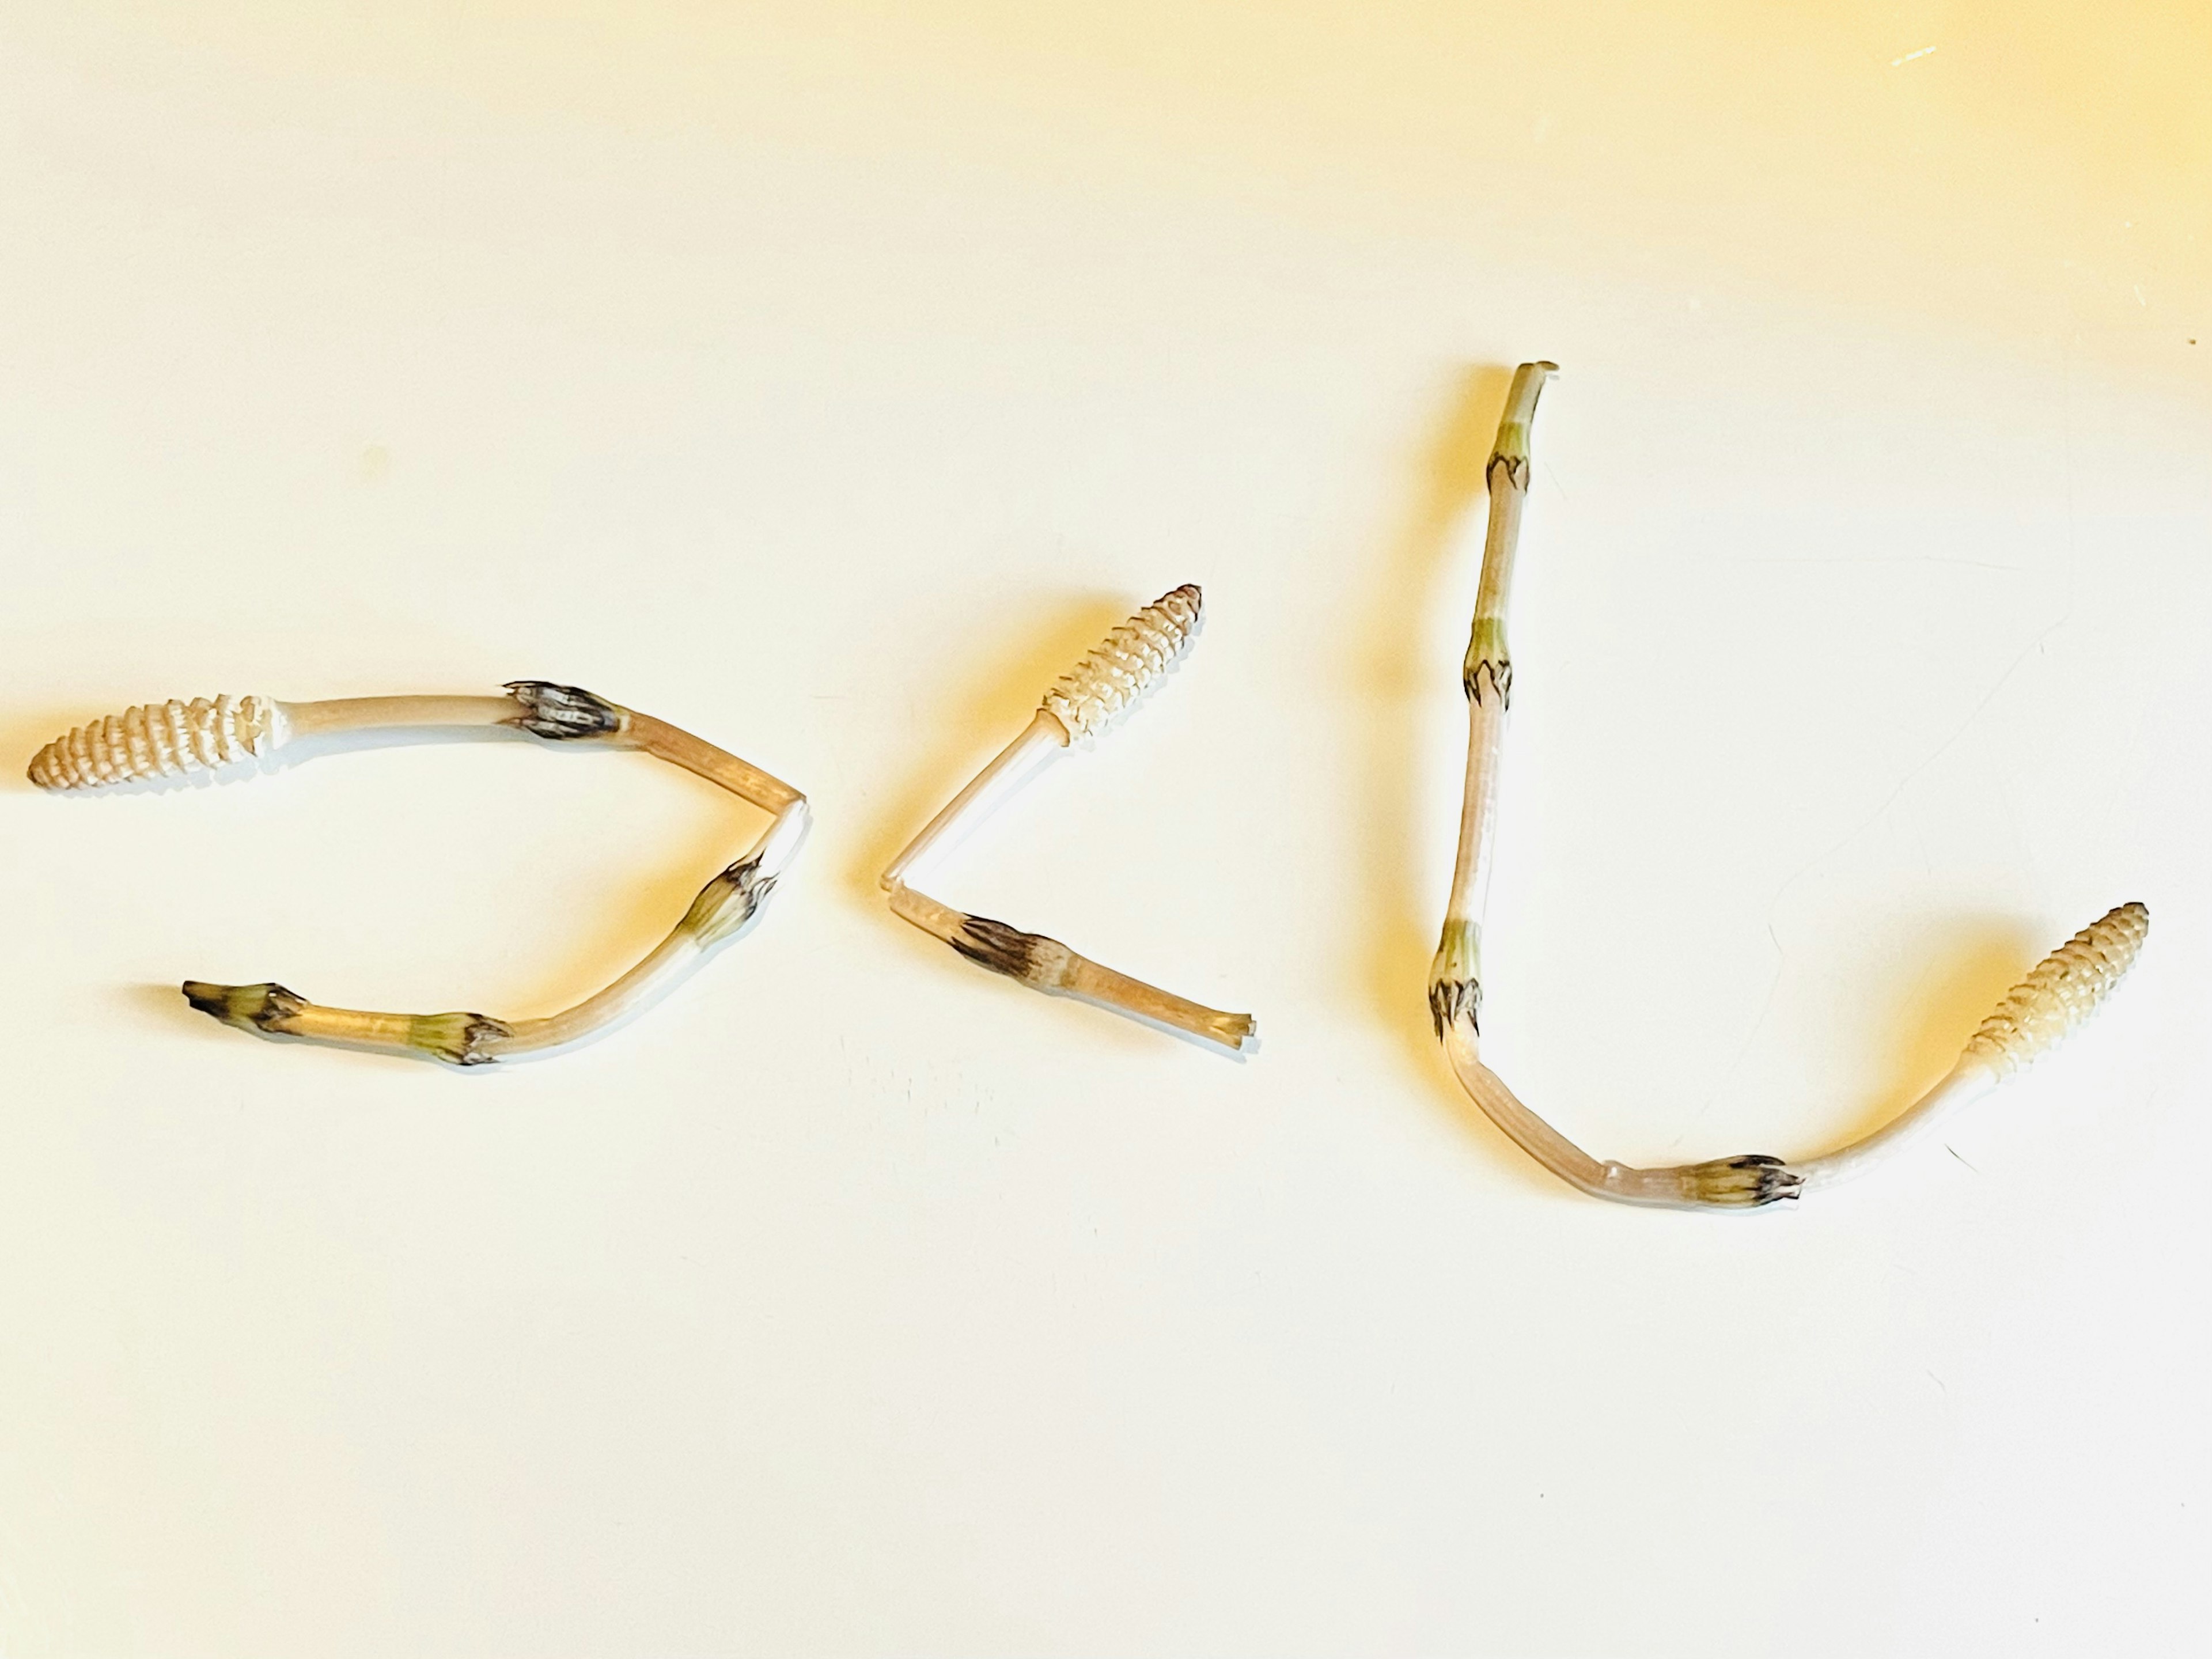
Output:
x=1086 y=702
x=172 y=739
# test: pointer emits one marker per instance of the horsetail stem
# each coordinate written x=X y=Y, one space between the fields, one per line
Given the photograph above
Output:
x=168 y=740
x=1085 y=702
x=727 y=902
x=267 y=1007
x=2052 y=1002
x=458 y=1039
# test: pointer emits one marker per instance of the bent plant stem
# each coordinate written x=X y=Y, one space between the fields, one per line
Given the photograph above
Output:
x=172 y=739
x=2052 y=1001
x=1086 y=702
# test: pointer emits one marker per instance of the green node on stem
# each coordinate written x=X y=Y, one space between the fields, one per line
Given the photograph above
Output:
x=726 y=903
x=1489 y=664
x=457 y=1039
x=1455 y=978
x=1754 y=1179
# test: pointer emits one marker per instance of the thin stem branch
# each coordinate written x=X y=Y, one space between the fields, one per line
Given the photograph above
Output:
x=167 y=740
x=335 y=715
x=1042 y=741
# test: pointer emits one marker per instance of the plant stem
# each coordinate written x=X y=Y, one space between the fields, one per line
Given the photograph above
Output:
x=1087 y=702
x=170 y=740
x=2052 y=1001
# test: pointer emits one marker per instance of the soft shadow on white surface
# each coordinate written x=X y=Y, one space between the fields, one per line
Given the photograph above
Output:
x=1965 y=975
x=842 y=369
x=157 y=1005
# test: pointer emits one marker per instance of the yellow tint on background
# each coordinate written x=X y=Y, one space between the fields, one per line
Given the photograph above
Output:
x=1994 y=166
x=824 y=378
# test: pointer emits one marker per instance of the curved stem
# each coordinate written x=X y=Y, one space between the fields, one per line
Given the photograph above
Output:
x=554 y=714
x=1744 y=1182
x=1965 y=1082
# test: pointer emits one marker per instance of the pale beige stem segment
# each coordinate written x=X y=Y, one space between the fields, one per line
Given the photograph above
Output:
x=1042 y=741
x=1085 y=702
x=702 y=759
x=172 y=739
x=2052 y=1001
x=338 y=714
x=722 y=908
x=1486 y=676
x=1046 y=964
x=1750 y=1179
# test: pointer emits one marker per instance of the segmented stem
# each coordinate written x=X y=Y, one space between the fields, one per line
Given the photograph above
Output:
x=167 y=739
x=1045 y=964
x=1106 y=683
x=2044 y=1008
x=1087 y=700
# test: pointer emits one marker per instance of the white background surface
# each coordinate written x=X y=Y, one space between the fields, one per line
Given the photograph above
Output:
x=825 y=378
